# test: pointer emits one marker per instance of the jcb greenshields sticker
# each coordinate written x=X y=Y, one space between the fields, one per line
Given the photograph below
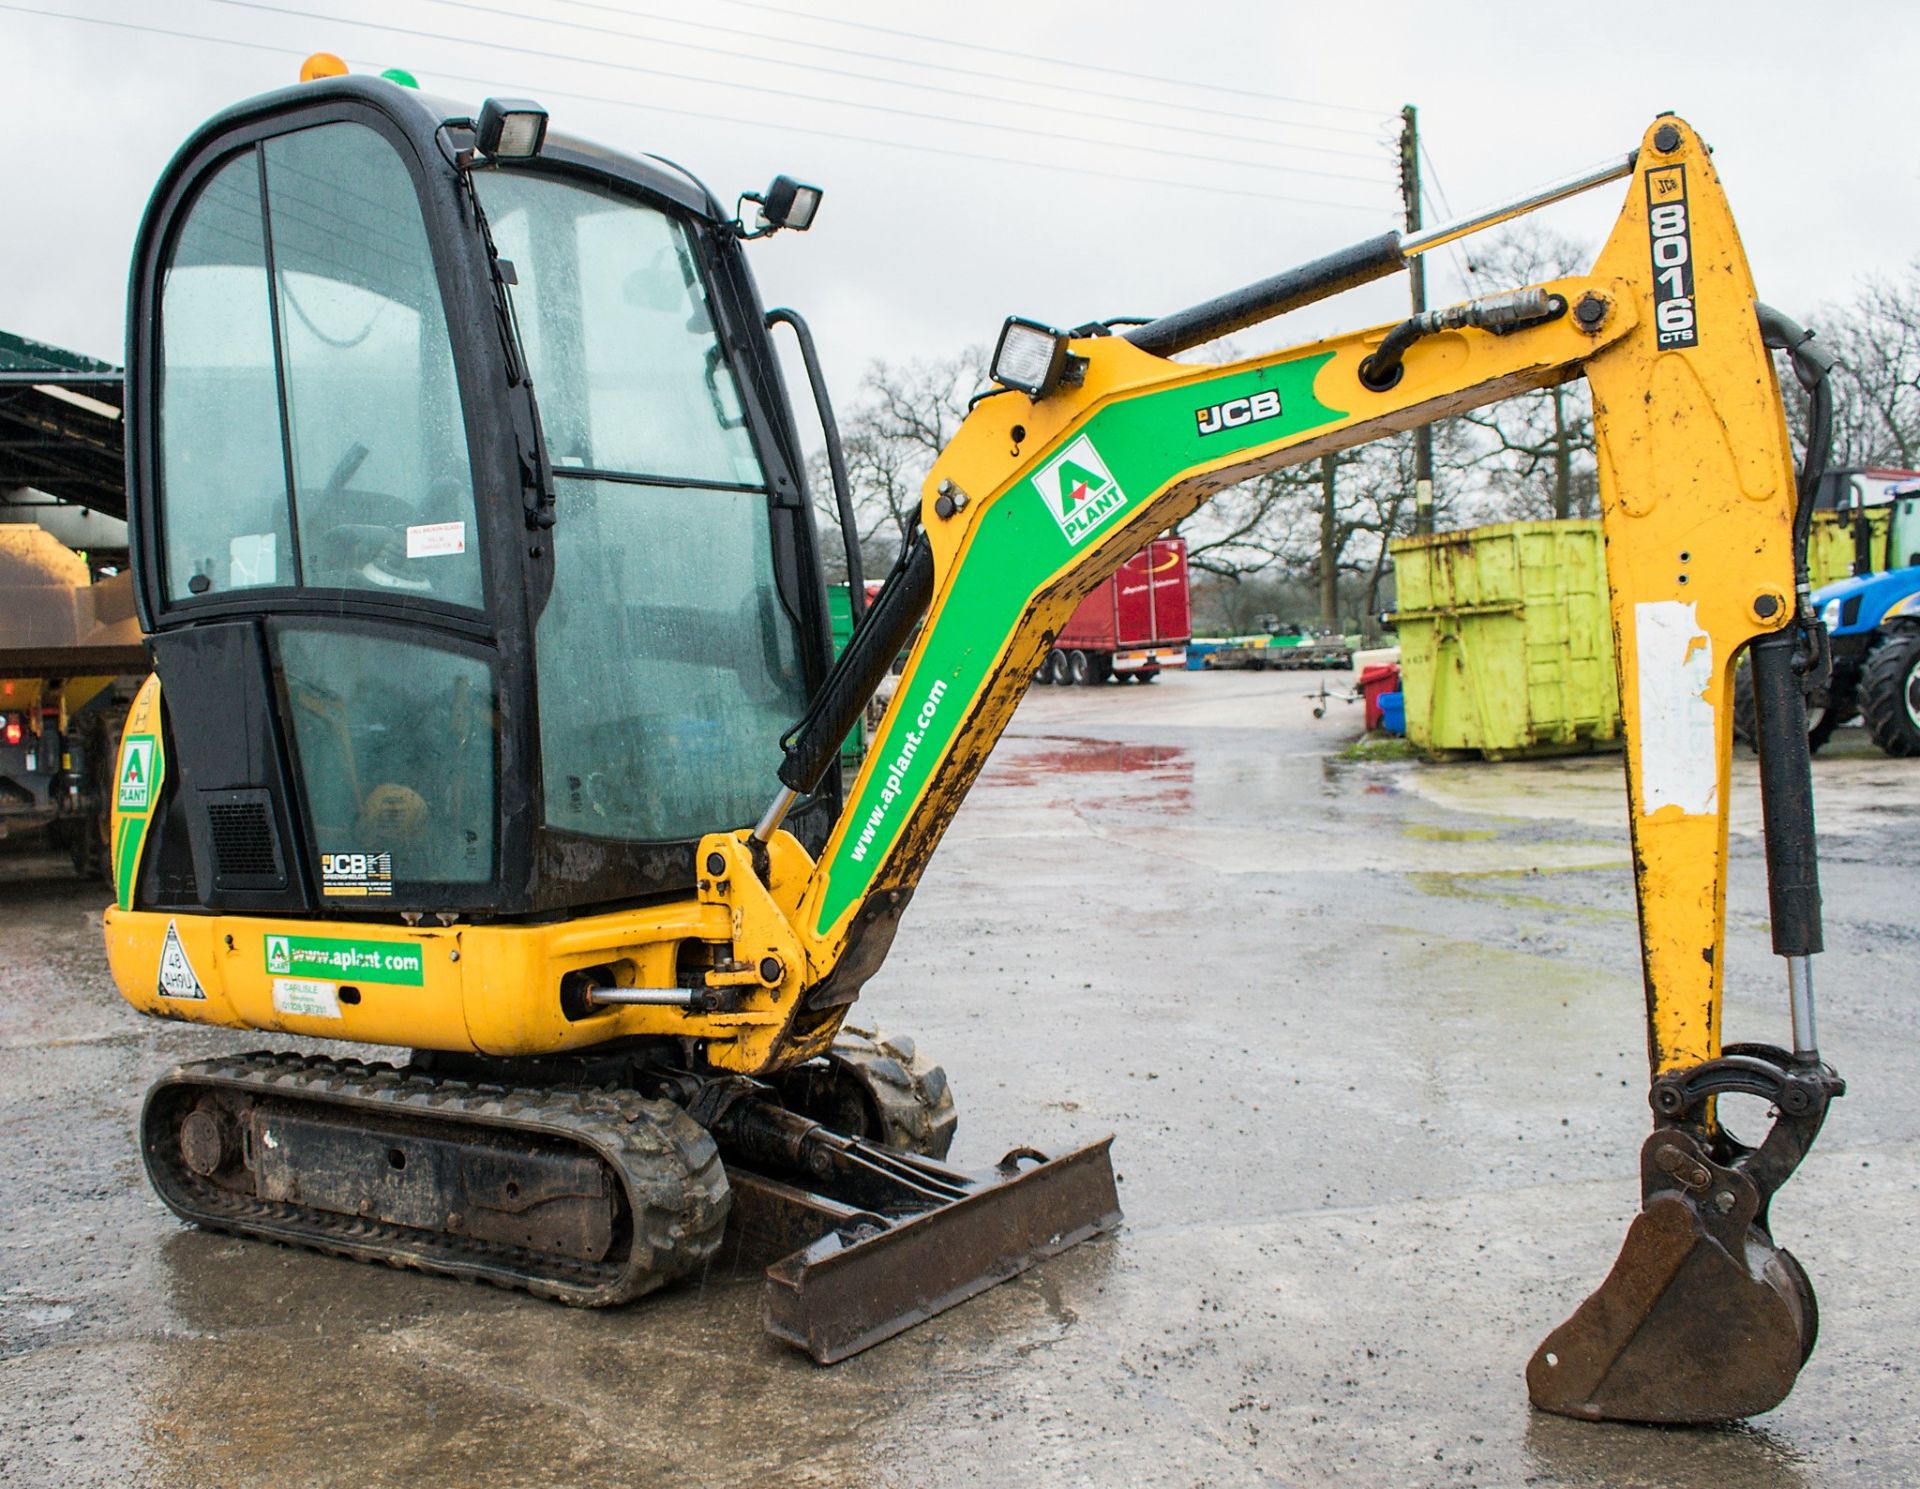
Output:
x=136 y=774
x=337 y=960
x=1078 y=489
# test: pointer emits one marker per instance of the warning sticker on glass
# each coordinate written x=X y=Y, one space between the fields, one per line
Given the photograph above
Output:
x=177 y=978
x=305 y=999
x=432 y=539
x=366 y=875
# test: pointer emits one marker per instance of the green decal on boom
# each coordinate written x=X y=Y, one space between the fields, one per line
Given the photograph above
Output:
x=1117 y=462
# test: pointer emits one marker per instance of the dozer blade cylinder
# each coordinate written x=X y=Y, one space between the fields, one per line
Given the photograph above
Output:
x=869 y=1278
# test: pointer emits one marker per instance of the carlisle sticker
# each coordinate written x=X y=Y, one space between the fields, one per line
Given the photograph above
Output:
x=177 y=979
x=1078 y=490
x=1236 y=412
x=136 y=774
x=1671 y=236
x=305 y=998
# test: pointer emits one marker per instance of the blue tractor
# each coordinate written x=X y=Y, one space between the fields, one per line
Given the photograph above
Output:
x=1873 y=620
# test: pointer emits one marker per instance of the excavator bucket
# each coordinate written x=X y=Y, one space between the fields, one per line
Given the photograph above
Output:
x=1703 y=1318
x=1684 y=1330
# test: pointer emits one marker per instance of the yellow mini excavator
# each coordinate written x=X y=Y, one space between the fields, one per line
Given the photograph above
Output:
x=466 y=706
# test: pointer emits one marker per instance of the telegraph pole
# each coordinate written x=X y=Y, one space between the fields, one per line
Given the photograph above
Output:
x=1417 y=282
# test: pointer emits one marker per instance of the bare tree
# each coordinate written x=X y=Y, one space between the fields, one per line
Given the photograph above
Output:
x=903 y=418
x=1877 y=385
x=1536 y=455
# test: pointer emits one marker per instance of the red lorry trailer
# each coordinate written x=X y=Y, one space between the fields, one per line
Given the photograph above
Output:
x=1131 y=626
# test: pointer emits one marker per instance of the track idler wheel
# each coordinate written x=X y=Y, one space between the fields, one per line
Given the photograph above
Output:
x=1703 y=1318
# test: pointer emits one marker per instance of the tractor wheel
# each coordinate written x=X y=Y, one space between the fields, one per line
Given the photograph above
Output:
x=1079 y=669
x=1822 y=718
x=1890 y=694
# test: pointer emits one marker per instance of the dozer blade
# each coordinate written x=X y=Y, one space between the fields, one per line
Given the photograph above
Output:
x=869 y=1279
x=1684 y=1330
x=866 y=1240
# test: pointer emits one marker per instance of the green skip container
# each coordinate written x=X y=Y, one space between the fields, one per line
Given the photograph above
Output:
x=1506 y=640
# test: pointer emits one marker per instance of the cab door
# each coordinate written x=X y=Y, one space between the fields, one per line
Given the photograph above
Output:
x=319 y=503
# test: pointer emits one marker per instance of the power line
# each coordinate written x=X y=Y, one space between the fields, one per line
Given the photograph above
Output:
x=1119 y=72
x=763 y=91
x=654 y=108
x=973 y=155
x=894 y=58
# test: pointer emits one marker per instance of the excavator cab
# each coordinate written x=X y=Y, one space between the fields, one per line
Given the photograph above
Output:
x=428 y=647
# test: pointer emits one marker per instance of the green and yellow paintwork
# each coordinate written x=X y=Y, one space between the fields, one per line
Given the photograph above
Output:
x=1697 y=493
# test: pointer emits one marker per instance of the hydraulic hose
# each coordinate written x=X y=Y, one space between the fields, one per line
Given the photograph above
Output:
x=1811 y=365
x=1780 y=660
x=895 y=611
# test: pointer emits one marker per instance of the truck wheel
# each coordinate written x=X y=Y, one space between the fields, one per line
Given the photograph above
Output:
x=1148 y=674
x=92 y=842
x=1079 y=669
x=1890 y=694
x=1102 y=667
x=1057 y=668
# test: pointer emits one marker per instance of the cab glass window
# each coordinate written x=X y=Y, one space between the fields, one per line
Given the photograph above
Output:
x=383 y=490
x=225 y=524
x=668 y=669
x=668 y=664
x=620 y=341
x=397 y=748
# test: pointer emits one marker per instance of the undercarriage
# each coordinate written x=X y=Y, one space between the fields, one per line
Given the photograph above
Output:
x=595 y=1180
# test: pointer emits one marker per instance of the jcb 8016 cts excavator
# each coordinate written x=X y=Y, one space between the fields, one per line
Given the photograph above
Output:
x=463 y=701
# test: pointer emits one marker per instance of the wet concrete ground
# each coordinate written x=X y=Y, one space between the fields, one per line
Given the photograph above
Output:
x=1370 y=1036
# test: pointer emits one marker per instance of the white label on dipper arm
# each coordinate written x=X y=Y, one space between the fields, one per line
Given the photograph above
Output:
x=1674 y=657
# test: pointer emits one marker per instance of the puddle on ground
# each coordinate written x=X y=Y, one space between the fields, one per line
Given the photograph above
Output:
x=1485 y=885
x=1426 y=832
x=1158 y=774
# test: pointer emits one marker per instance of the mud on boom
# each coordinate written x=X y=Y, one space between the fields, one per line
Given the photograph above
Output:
x=464 y=706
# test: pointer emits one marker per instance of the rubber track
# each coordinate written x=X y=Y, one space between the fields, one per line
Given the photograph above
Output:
x=675 y=1187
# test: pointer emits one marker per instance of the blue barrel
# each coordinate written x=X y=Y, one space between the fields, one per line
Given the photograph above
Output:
x=1393 y=712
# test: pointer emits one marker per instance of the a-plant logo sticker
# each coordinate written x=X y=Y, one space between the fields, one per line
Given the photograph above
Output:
x=1078 y=490
x=136 y=776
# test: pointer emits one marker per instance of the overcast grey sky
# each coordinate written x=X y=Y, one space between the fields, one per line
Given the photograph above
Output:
x=1063 y=161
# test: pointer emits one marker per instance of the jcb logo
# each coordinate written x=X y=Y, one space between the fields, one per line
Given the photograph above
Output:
x=1238 y=411
x=1670 y=235
x=343 y=865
